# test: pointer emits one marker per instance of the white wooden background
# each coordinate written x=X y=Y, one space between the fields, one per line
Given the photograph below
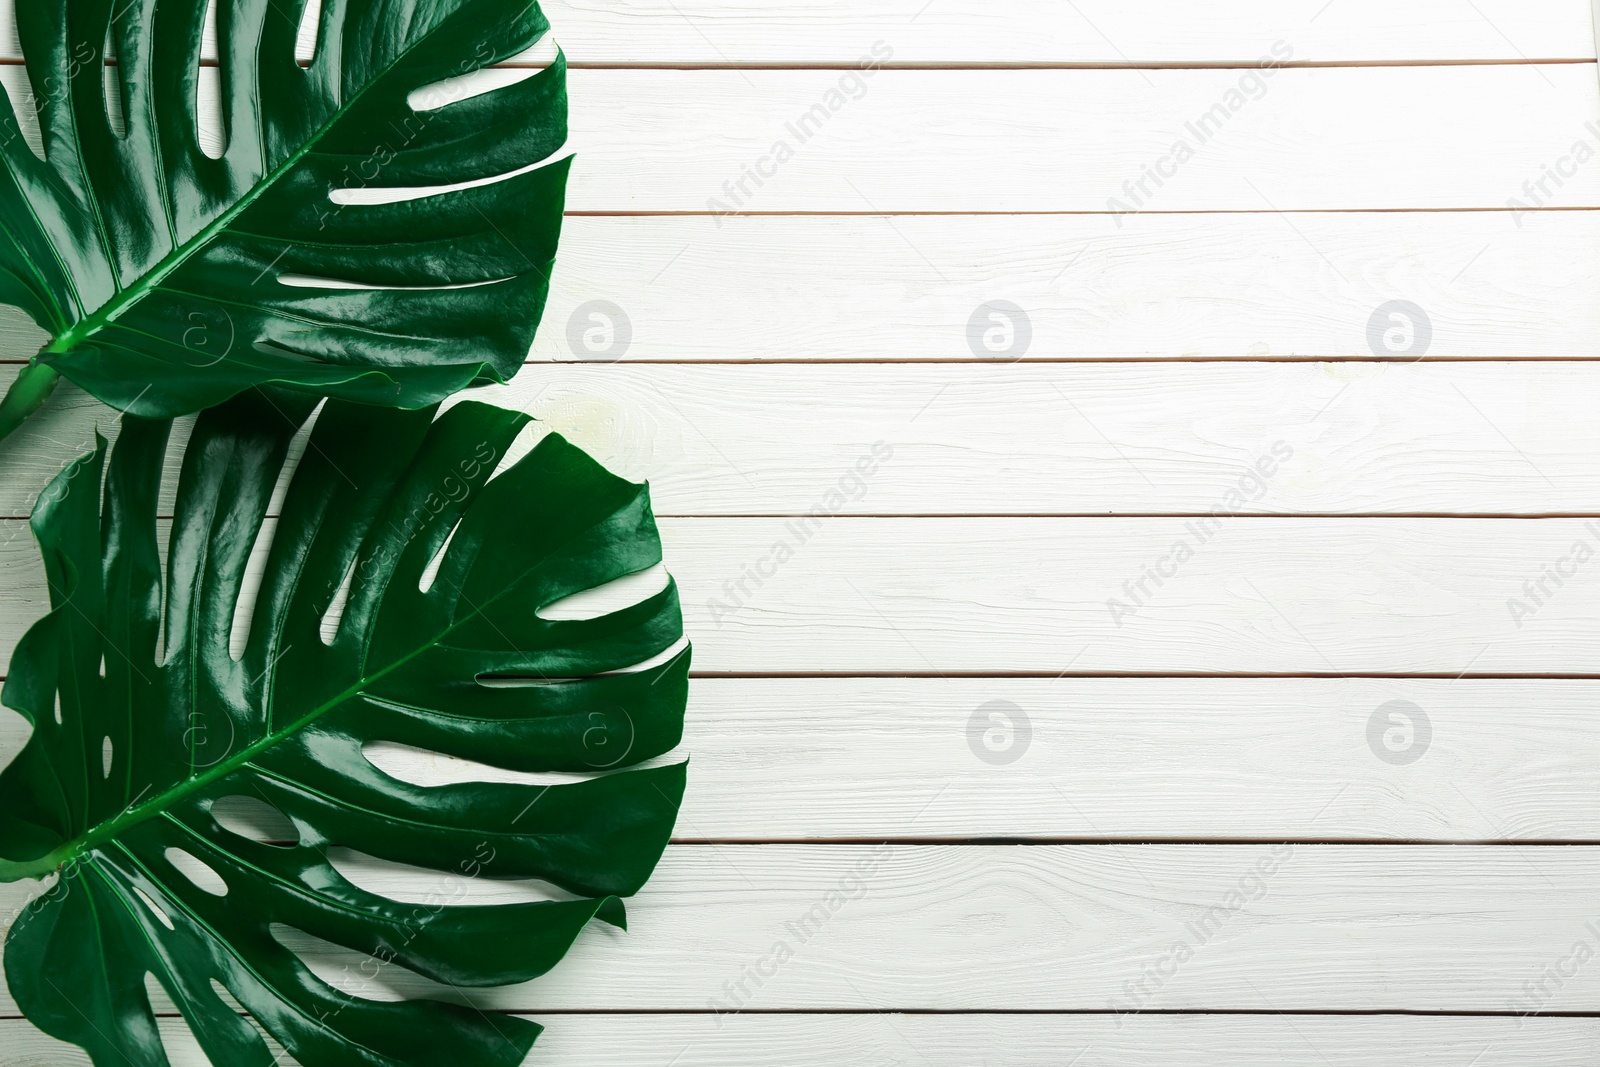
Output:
x=1210 y=753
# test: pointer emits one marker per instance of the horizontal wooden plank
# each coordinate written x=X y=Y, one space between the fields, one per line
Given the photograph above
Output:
x=1495 y=438
x=1263 y=928
x=735 y=32
x=754 y=1040
x=1491 y=284
x=1161 y=287
x=1114 y=142
x=1081 y=140
x=713 y=32
x=1152 y=595
x=1118 y=759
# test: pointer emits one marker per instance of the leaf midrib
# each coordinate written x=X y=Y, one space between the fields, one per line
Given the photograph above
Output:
x=161 y=802
x=106 y=313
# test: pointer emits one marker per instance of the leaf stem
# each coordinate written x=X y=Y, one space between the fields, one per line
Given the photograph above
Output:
x=36 y=382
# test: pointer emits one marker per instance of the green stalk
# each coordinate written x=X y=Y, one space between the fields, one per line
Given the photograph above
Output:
x=25 y=395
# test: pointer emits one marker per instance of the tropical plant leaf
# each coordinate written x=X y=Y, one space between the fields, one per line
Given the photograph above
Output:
x=169 y=281
x=138 y=733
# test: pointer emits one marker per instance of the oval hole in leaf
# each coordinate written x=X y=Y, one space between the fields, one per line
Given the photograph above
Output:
x=614 y=595
x=197 y=871
x=58 y=707
x=155 y=909
x=255 y=819
x=107 y=750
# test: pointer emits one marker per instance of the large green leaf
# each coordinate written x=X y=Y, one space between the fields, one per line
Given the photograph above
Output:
x=133 y=746
x=157 y=270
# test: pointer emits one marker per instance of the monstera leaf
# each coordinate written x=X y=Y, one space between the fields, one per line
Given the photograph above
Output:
x=169 y=280
x=143 y=721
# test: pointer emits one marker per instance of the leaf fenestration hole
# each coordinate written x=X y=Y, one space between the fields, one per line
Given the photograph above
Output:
x=459 y=87
x=372 y=195
x=102 y=664
x=305 y=44
x=197 y=871
x=461 y=886
x=280 y=1057
x=353 y=973
x=431 y=572
x=307 y=281
x=615 y=595
x=428 y=770
x=155 y=909
x=255 y=570
x=253 y=818
x=58 y=707
x=116 y=107
x=171 y=466
x=331 y=618
x=107 y=750
x=208 y=95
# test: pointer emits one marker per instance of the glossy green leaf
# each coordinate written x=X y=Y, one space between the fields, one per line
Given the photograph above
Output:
x=143 y=721
x=170 y=281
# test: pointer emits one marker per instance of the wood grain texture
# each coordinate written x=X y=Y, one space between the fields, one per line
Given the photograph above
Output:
x=1095 y=140
x=1492 y=284
x=1162 y=287
x=950 y=596
x=1118 y=759
x=1079 y=140
x=1266 y=928
x=990 y=1040
x=1089 y=439
x=719 y=32
x=742 y=32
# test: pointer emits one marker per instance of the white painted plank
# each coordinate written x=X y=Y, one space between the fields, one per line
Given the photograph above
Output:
x=1499 y=438
x=1118 y=759
x=1087 y=438
x=1492 y=284
x=734 y=32
x=1162 y=287
x=1260 y=595
x=712 y=32
x=1096 y=140
x=754 y=1040
x=1266 y=928
x=1080 y=140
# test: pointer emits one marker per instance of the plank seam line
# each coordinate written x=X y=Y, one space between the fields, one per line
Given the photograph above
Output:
x=1300 y=1013
x=997 y=65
